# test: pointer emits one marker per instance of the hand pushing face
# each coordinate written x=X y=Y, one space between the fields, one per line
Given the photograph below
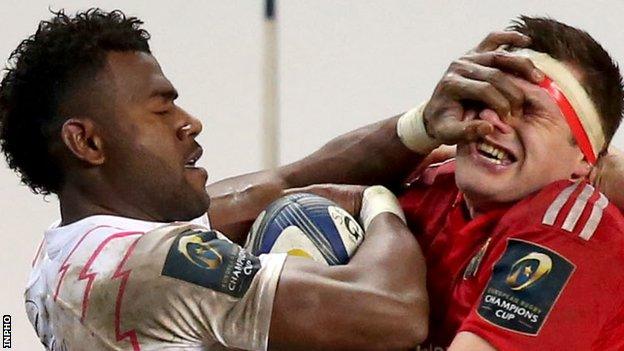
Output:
x=525 y=151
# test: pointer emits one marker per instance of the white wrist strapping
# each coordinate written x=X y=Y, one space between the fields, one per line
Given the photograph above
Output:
x=411 y=130
x=378 y=199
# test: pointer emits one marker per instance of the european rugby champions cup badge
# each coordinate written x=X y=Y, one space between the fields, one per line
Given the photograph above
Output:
x=524 y=286
x=201 y=258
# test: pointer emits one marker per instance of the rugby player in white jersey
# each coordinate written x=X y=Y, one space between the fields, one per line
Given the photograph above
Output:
x=88 y=115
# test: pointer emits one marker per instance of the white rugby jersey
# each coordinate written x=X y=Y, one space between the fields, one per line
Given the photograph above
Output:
x=114 y=283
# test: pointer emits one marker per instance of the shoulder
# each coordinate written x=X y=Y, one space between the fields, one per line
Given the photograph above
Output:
x=437 y=180
x=195 y=257
x=575 y=209
x=430 y=195
x=575 y=223
x=434 y=173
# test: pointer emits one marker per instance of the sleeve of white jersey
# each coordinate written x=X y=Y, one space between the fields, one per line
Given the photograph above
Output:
x=245 y=323
x=190 y=286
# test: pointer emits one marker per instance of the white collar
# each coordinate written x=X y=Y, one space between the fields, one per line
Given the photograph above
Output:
x=56 y=237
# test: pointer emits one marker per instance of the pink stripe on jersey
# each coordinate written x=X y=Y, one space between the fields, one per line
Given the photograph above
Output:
x=38 y=252
x=124 y=275
x=65 y=265
x=84 y=273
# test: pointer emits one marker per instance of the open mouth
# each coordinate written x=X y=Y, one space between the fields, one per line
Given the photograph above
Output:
x=193 y=158
x=494 y=153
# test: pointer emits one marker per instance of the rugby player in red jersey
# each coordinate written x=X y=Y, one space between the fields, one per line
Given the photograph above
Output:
x=103 y=152
x=517 y=241
x=522 y=251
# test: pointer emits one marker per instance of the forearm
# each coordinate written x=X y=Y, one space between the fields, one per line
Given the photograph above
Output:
x=608 y=176
x=376 y=302
x=236 y=202
x=373 y=154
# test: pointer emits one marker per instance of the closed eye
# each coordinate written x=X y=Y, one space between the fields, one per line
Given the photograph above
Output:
x=528 y=108
x=532 y=106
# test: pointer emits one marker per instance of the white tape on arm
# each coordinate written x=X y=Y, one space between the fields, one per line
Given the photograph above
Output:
x=411 y=130
x=378 y=199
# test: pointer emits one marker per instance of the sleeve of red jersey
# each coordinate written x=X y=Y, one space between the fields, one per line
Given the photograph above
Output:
x=547 y=288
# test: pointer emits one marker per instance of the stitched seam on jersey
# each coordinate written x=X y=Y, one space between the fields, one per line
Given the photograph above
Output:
x=553 y=211
x=577 y=209
x=594 y=217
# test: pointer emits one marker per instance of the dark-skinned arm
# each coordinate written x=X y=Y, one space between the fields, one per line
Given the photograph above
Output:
x=375 y=154
x=376 y=302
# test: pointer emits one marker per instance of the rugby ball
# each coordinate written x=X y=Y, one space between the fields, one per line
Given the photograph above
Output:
x=306 y=225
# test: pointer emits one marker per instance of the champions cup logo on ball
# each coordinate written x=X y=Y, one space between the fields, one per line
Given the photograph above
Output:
x=528 y=270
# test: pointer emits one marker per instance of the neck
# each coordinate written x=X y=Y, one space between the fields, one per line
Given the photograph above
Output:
x=76 y=204
x=478 y=208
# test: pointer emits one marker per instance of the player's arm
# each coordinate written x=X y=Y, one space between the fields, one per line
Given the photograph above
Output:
x=608 y=176
x=369 y=155
x=376 y=302
x=387 y=151
x=467 y=341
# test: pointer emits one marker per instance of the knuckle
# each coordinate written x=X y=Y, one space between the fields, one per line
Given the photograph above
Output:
x=526 y=63
x=516 y=94
x=501 y=56
x=492 y=36
x=448 y=79
x=457 y=65
x=461 y=67
x=494 y=97
x=474 y=56
x=504 y=105
x=487 y=88
x=495 y=76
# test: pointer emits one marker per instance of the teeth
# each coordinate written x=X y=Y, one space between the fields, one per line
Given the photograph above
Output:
x=497 y=154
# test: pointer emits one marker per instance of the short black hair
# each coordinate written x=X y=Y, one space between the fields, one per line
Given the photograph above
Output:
x=601 y=75
x=44 y=73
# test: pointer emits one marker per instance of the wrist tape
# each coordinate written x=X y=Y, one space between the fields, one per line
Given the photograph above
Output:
x=411 y=130
x=376 y=200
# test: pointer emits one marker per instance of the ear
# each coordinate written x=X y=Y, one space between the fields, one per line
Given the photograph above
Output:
x=582 y=169
x=80 y=137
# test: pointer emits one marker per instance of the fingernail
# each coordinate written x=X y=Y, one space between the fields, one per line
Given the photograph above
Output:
x=538 y=75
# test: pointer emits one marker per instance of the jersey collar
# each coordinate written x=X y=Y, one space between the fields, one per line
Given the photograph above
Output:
x=56 y=237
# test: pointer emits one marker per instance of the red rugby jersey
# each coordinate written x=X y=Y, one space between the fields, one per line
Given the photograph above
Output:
x=544 y=273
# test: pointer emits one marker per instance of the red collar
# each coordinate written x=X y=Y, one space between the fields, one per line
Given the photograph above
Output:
x=461 y=224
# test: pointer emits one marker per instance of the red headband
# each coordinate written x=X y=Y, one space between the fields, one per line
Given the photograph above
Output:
x=579 y=133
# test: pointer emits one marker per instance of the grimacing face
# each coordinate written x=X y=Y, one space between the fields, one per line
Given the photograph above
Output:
x=522 y=155
x=150 y=142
